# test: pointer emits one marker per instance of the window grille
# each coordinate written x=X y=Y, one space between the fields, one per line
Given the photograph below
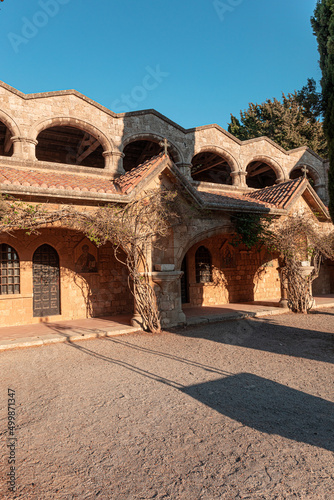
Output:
x=9 y=270
x=203 y=265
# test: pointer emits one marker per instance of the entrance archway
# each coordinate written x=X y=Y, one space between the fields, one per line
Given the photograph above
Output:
x=46 y=287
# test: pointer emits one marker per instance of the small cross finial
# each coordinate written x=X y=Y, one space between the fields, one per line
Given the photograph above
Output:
x=305 y=171
x=165 y=144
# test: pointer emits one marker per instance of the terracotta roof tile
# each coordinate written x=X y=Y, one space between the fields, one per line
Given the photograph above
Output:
x=130 y=180
x=278 y=195
x=52 y=180
x=237 y=200
x=78 y=183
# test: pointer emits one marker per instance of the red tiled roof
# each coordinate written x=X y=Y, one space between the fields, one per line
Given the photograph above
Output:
x=75 y=182
x=237 y=200
x=51 y=180
x=278 y=195
x=130 y=180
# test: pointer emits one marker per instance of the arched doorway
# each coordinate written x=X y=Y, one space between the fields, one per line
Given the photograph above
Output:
x=46 y=287
x=211 y=167
x=70 y=145
x=137 y=152
x=260 y=175
x=6 y=145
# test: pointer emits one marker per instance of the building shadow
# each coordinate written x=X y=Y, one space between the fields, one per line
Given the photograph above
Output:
x=255 y=402
x=265 y=335
x=270 y=407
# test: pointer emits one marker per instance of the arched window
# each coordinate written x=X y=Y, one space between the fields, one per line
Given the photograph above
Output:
x=64 y=144
x=210 y=167
x=203 y=265
x=10 y=270
x=137 y=152
x=260 y=175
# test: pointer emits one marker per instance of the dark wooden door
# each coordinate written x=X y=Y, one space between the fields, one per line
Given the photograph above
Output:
x=46 y=281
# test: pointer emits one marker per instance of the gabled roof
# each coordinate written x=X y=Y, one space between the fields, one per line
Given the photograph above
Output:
x=65 y=184
x=279 y=194
x=274 y=199
x=128 y=181
x=286 y=194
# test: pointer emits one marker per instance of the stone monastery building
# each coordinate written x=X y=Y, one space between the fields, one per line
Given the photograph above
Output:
x=63 y=148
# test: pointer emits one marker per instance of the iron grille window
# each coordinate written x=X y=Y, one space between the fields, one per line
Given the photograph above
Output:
x=203 y=265
x=9 y=270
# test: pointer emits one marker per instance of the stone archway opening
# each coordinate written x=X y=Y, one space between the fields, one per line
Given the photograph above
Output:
x=69 y=145
x=260 y=175
x=211 y=167
x=299 y=172
x=137 y=152
x=6 y=145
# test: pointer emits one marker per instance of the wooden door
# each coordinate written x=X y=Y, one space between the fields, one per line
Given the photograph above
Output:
x=46 y=282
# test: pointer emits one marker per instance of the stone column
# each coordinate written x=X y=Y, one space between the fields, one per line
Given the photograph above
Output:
x=24 y=148
x=185 y=169
x=239 y=178
x=114 y=163
x=284 y=288
x=169 y=298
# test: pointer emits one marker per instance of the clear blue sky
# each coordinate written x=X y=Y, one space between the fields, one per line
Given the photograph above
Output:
x=195 y=61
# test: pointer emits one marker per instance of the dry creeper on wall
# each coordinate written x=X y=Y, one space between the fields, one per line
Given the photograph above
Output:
x=133 y=228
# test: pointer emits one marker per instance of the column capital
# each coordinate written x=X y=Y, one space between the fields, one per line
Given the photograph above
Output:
x=17 y=138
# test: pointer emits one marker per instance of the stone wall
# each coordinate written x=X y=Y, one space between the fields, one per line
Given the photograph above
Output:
x=82 y=294
x=252 y=276
x=27 y=115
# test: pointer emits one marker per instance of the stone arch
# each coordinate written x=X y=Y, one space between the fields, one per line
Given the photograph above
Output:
x=68 y=121
x=197 y=239
x=270 y=162
x=10 y=124
x=230 y=159
x=154 y=137
x=314 y=174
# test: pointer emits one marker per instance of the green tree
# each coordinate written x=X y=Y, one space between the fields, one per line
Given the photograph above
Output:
x=323 y=28
x=292 y=122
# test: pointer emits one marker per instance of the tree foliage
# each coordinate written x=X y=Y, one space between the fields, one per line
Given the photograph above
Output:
x=323 y=27
x=299 y=238
x=292 y=122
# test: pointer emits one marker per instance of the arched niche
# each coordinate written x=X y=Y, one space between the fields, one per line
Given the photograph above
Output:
x=69 y=145
x=209 y=166
x=260 y=174
x=141 y=150
x=6 y=145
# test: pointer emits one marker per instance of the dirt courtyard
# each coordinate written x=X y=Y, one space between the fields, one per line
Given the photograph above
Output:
x=233 y=410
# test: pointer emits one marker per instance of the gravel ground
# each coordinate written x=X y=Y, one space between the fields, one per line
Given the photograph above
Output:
x=233 y=410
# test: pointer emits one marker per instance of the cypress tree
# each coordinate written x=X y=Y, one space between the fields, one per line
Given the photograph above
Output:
x=323 y=28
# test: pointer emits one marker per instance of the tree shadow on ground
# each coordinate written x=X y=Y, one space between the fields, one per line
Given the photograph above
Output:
x=265 y=334
x=256 y=402
x=270 y=407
